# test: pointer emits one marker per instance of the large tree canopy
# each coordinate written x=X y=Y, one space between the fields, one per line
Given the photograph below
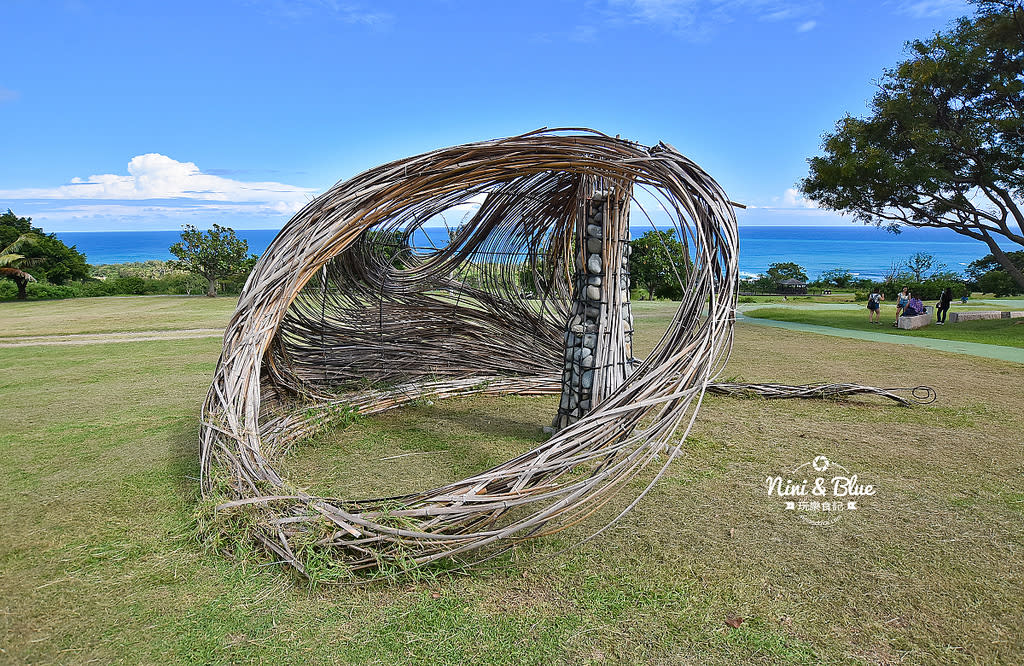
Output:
x=215 y=254
x=47 y=257
x=944 y=143
x=657 y=261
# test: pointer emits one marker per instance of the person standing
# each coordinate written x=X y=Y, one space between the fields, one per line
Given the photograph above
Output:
x=875 y=306
x=942 y=307
x=901 y=302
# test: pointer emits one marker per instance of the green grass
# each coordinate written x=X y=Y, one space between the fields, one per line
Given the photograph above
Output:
x=114 y=313
x=99 y=560
x=835 y=297
x=1006 y=332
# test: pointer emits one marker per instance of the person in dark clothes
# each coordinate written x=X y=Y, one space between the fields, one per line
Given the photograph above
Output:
x=942 y=307
x=875 y=306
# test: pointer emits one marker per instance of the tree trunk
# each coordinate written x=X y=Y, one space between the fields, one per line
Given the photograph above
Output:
x=211 y=291
x=1015 y=273
x=22 y=294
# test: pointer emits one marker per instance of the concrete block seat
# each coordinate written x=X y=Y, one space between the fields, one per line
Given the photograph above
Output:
x=917 y=321
x=984 y=314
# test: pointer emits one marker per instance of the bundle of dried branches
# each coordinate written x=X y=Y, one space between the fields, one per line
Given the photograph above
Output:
x=351 y=310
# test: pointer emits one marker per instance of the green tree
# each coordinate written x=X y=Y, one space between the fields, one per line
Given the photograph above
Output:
x=392 y=245
x=785 y=270
x=49 y=257
x=657 y=261
x=990 y=277
x=944 y=143
x=216 y=254
x=12 y=262
x=920 y=263
x=838 y=277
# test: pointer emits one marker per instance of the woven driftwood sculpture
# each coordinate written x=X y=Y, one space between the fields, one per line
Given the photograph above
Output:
x=348 y=311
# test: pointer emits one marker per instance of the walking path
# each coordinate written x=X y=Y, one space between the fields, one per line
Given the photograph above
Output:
x=1003 y=353
x=105 y=338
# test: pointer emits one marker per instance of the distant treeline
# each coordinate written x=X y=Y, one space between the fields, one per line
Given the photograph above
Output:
x=129 y=279
x=922 y=273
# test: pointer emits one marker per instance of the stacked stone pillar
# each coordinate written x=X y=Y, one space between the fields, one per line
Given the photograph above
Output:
x=599 y=333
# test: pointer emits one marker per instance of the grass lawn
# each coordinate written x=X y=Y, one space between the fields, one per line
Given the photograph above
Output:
x=1006 y=332
x=114 y=313
x=837 y=297
x=99 y=560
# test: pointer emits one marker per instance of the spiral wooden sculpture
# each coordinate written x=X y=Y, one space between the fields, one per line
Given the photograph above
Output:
x=348 y=311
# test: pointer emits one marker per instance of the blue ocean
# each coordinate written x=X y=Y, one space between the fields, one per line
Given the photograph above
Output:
x=865 y=251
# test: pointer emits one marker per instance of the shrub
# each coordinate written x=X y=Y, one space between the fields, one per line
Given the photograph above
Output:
x=96 y=288
x=45 y=290
x=927 y=290
x=670 y=290
x=997 y=282
x=127 y=285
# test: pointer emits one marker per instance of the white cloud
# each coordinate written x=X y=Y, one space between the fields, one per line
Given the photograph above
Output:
x=932 y=8
x=793 y=199
x=806 y=26
x=156 y=176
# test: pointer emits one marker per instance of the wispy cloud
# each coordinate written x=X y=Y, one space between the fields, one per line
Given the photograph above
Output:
x=156 y=183
x=699 y=18
x=346 y=12
x=806 y=26
x=7 y=95
x=932 y=8
x=583 y=34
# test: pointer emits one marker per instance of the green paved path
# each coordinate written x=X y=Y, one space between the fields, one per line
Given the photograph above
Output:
x=1013 y=354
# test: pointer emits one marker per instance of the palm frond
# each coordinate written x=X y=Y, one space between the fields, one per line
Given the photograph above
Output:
x=15 y=274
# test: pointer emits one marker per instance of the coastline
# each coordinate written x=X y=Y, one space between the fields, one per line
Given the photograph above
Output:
x=867 y=252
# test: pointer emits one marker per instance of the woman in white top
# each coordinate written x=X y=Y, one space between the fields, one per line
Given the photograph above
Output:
x=901 y=302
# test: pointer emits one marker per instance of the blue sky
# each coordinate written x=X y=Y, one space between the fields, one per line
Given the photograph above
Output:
x=148 y=115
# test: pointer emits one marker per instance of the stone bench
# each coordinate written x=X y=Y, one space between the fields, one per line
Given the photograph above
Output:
x=916 y=321
x=984 y=314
